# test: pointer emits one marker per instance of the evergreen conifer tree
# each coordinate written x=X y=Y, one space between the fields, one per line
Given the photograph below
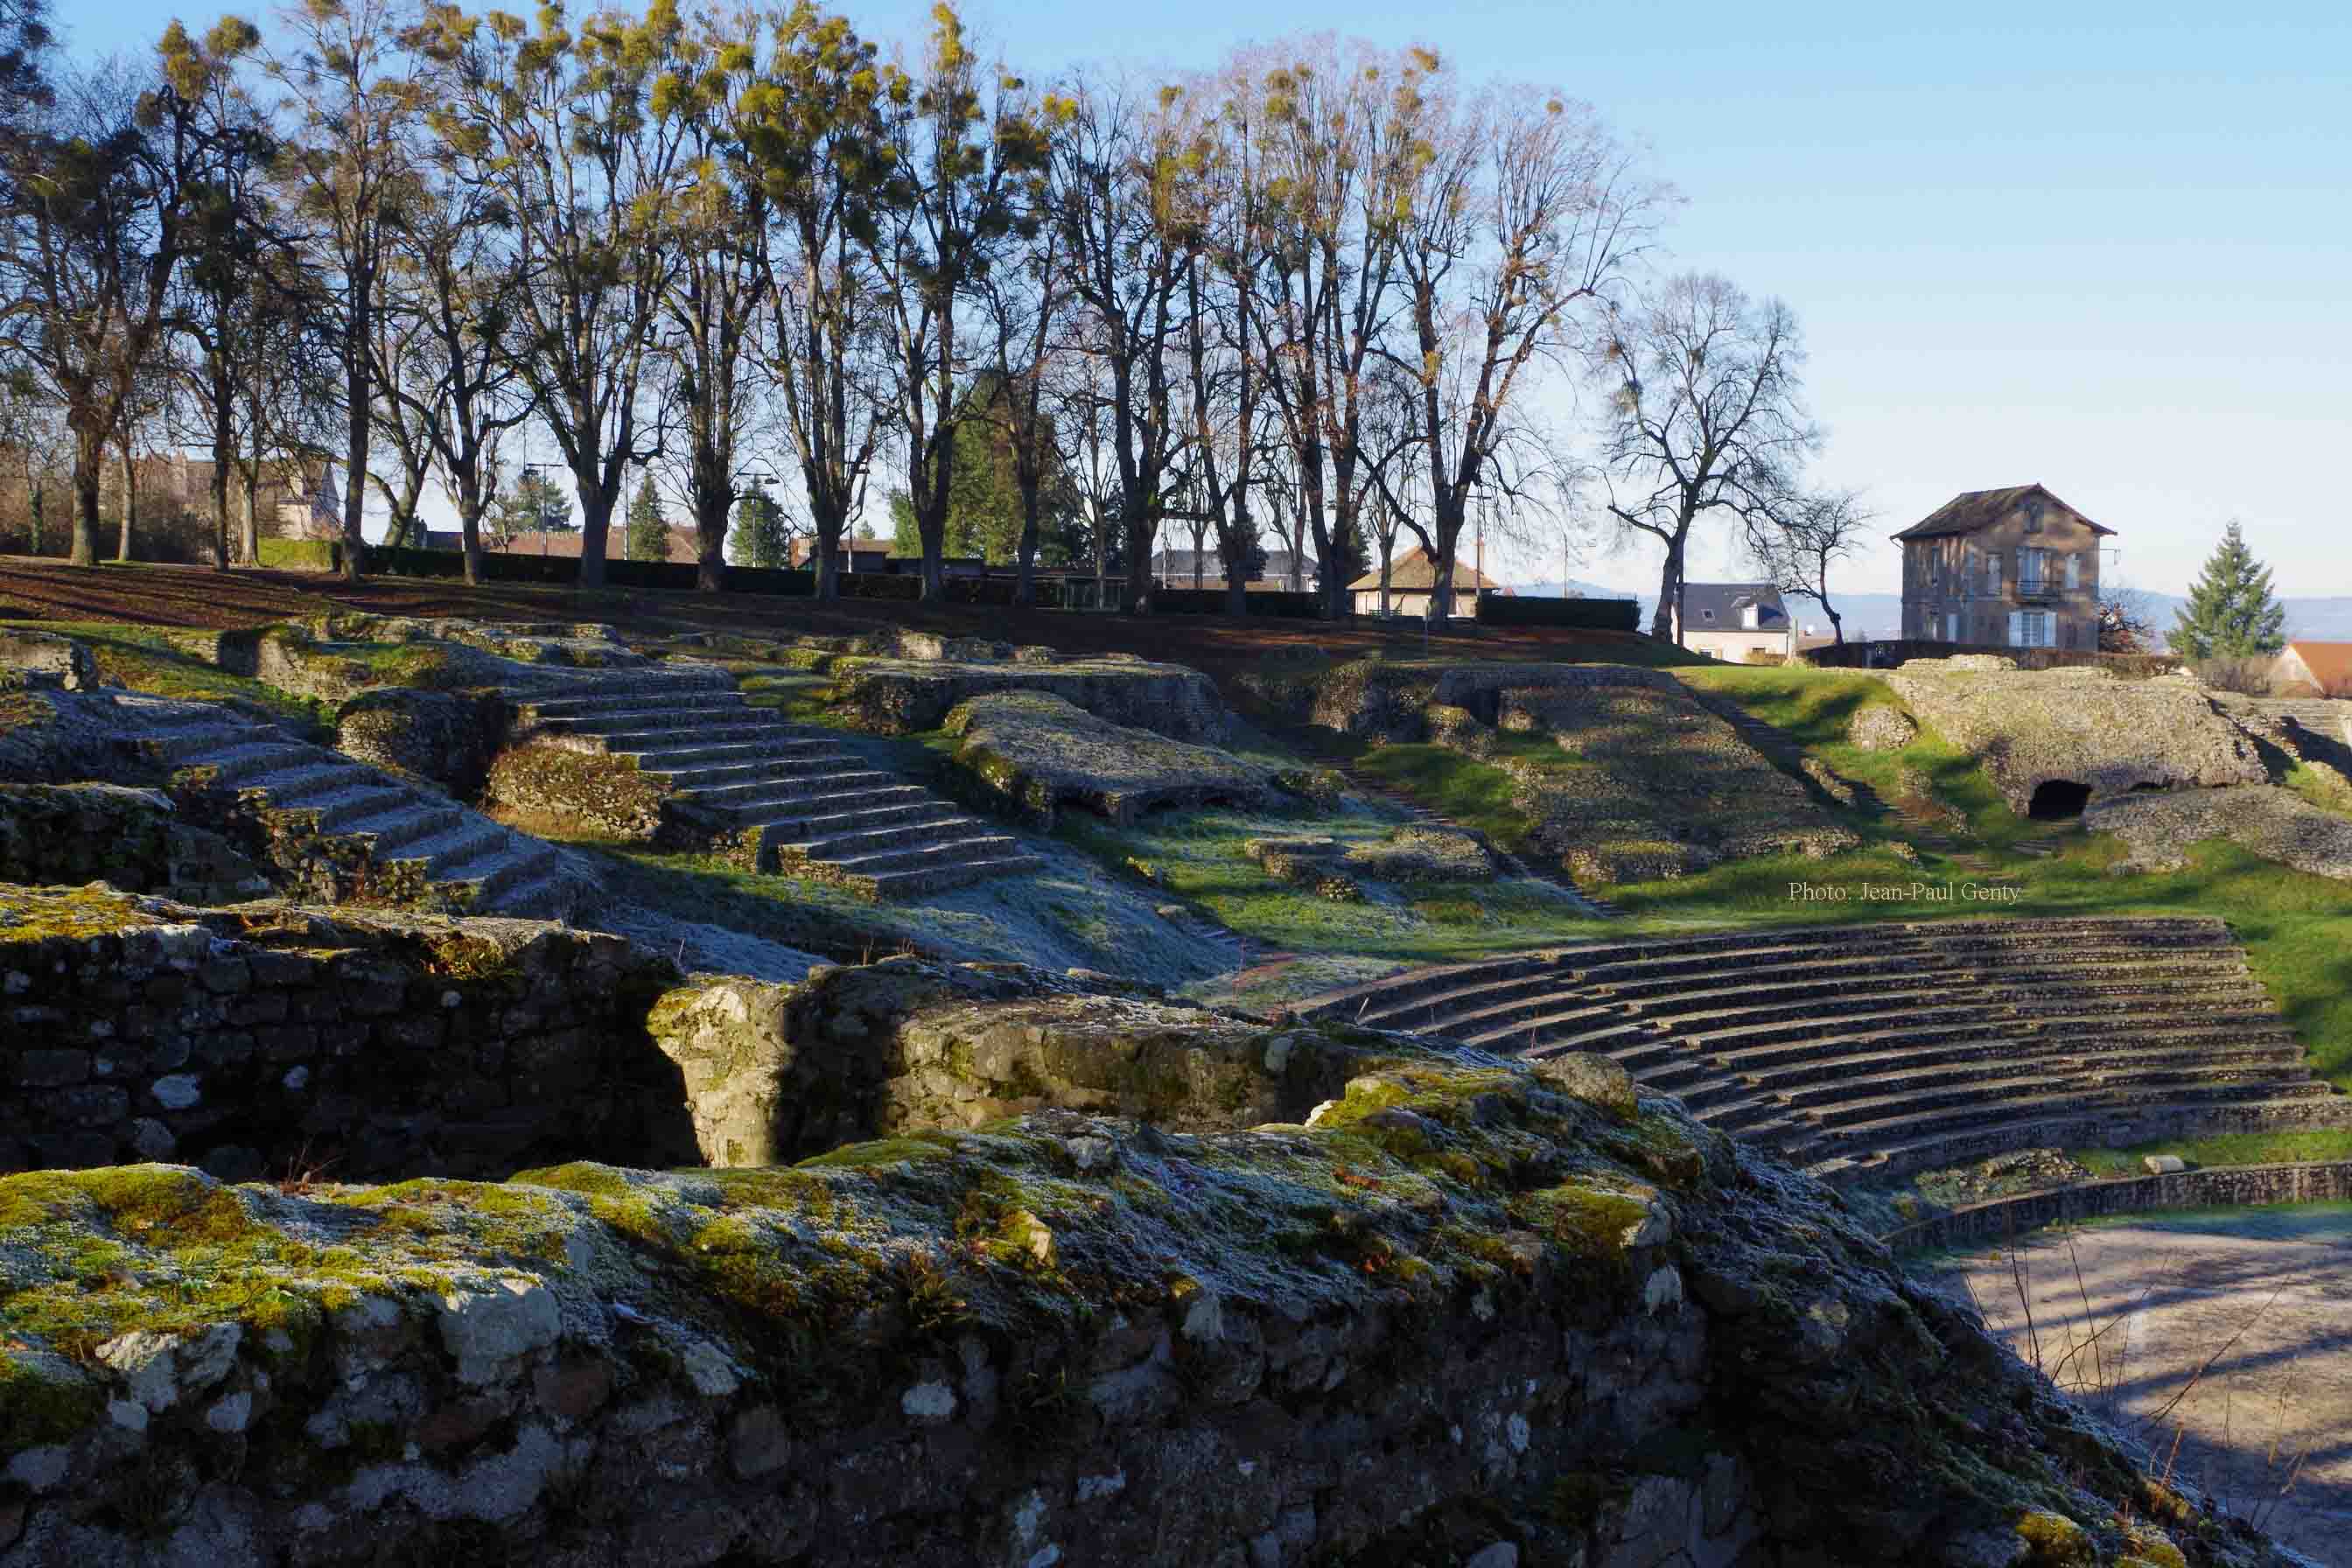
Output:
x=2230 y=613
x=649 y=535
x=760 y=536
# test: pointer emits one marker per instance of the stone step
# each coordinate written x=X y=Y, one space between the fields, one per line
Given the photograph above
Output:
x=1972 y=1047
x=453 y=847
x=181 y=743
x=1540 y=1037
x=719 y=787
x=402 y=821
x=2026 y=1104
x=547 y=895
x=1840 y=948
x=2056 y=1072
x=896 y=849
x=2102 y=1125
x=1982 y=991
x=561 y=689
x=925 y=811
x=298 y=786
x=919 y=880
x=355 y=810
x=705 y=776
x=683 y=711
x=242 y=762
x=729 y=728
x=1464 y=1005
x=787 y=796
x=879 y=862
x=785 y=749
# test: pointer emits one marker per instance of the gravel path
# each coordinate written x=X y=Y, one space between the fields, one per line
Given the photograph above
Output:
x=2265 y=1295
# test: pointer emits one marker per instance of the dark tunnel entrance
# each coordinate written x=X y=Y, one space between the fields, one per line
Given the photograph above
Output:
x=2058 y=800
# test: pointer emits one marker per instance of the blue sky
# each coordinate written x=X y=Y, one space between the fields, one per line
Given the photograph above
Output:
x=2103 y=246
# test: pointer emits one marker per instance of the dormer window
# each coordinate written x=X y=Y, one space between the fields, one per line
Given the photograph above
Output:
x=1706 y=614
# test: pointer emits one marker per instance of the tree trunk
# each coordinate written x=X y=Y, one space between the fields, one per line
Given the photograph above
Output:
x=710 y=538
x=1024 y=557
x=130 y=501
x=828 y=523
x=252 y=540
x=356 y=389
x=90 y=456
x=37 y=497
x=469 y=532
x=1663 y=620
x=596 y=530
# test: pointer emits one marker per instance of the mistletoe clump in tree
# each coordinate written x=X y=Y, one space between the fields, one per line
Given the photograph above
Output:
x=2230 y=612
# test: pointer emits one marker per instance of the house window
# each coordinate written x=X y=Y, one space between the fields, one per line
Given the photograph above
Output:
x=1992 y=573
x=2074 y=572
x=2033 y=628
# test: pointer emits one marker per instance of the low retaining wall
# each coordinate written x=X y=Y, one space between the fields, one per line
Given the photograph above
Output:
x=2222 y=1186
x=271 y=1039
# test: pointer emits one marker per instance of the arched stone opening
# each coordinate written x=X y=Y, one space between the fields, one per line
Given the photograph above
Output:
x=2058 y=800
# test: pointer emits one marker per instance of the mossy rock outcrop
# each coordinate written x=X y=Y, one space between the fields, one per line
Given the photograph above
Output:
x=775 y=1073
x=1410 y=700
x=2263 y=819
x=898 y=697
x=1471 y=1309
x=2079 y=727
x=1036 y=753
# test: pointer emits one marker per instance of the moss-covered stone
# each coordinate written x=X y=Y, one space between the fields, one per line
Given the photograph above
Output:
x=1035 y=752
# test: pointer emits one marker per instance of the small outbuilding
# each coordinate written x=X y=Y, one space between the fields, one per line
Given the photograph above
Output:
x=1412 y=575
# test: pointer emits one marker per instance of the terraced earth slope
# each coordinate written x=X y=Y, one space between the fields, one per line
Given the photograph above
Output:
x=1877 y=1050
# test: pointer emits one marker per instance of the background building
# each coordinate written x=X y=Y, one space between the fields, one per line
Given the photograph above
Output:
x=2009 y=568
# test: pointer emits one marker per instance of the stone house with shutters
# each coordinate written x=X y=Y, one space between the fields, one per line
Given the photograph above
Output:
x=2007 y=568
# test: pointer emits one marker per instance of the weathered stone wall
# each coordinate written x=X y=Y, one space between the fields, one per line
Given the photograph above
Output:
x=271 y=1037
x=48 y=659
x=1476 y=1315
x=2078 y=726
x=587 y=787
x=133 y=839
x=2222 y=1187
x=445 y=739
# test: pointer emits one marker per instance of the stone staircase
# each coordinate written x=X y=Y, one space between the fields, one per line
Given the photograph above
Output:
x=1886 y=1050
x=475 y=865
x=793 y=795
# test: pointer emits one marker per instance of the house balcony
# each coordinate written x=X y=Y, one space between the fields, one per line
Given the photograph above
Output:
x=2039 y=590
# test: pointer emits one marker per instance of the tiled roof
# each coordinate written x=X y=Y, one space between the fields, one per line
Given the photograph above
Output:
x=1718 y=606
x=1413 y=571
x=1973 y=510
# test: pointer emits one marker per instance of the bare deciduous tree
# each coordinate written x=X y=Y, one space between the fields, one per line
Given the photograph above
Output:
x=1705 y=412
x=1795 y=540
x=1523 y=211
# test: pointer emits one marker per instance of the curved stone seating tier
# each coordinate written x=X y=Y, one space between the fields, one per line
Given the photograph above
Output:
x=1881 y=1049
